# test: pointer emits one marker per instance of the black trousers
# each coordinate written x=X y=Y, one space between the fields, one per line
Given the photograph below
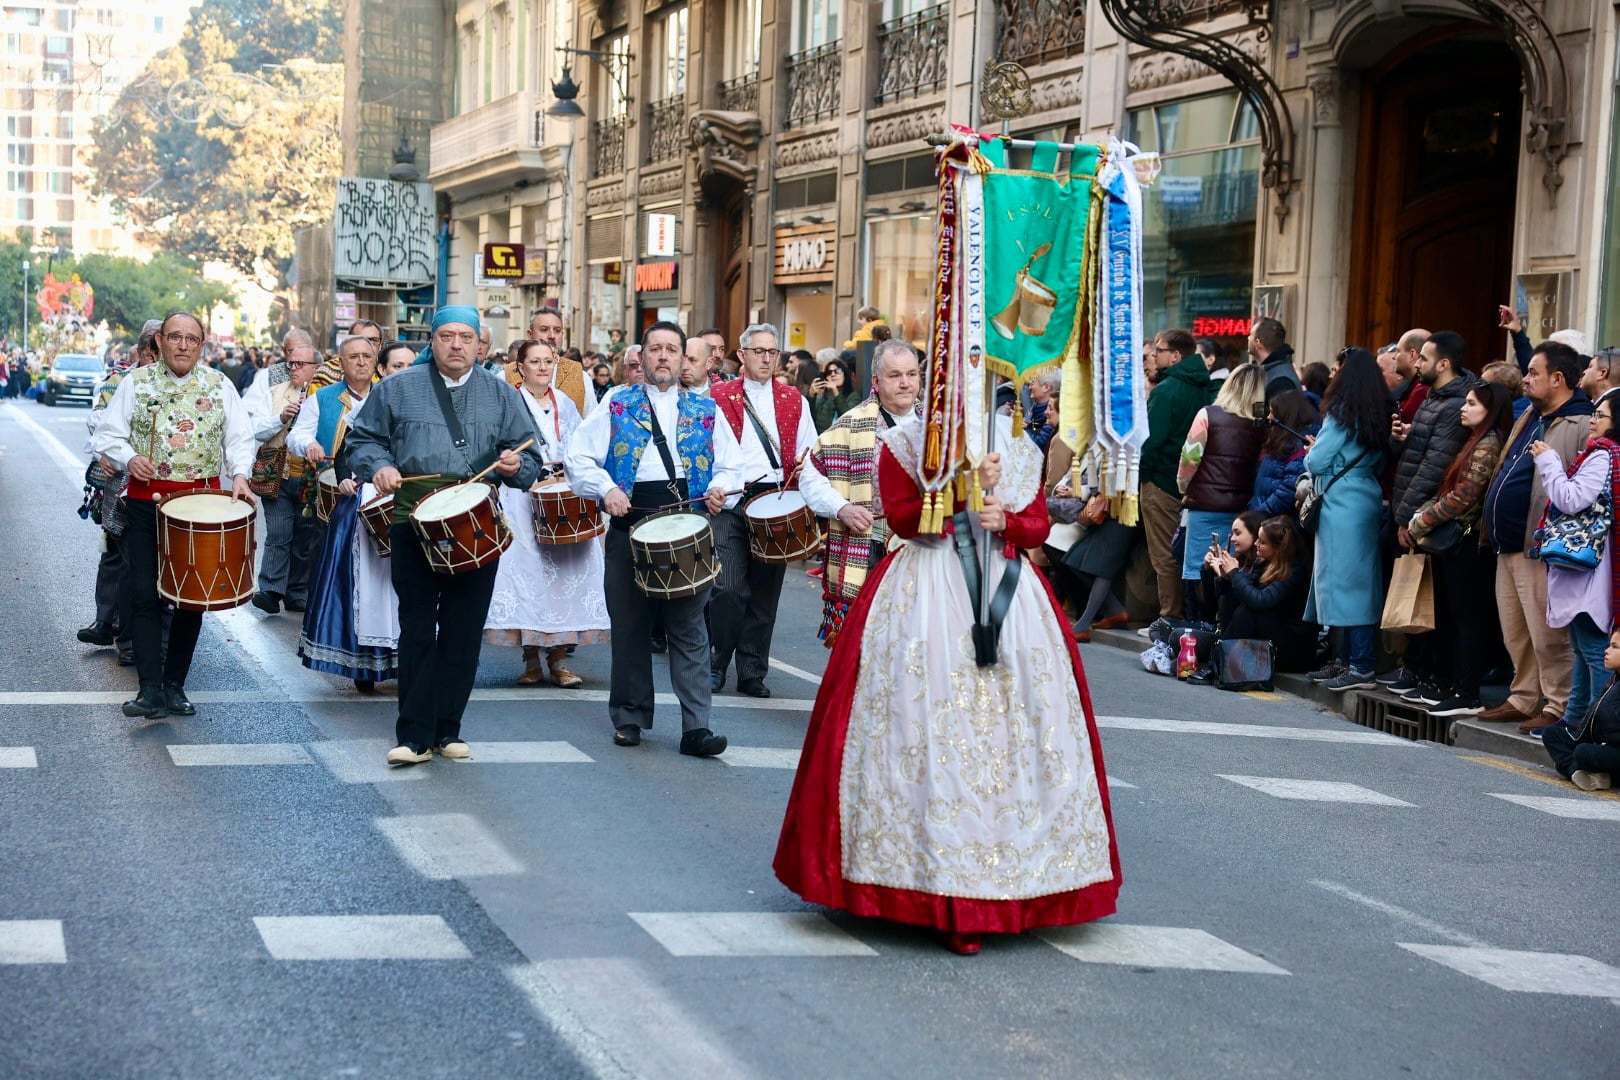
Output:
x=1464 y=607
x=153 y=663
x=632 y=614
x=441 y=630
x=743 y=610
x=1568 y=755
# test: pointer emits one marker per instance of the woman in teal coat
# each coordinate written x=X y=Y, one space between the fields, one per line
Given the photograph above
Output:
x=1347 y=590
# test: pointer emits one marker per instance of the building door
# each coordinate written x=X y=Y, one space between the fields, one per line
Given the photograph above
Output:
x=731 y=298
x=1435 y=192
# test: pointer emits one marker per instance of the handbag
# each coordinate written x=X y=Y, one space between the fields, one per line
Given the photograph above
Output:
x=269 y=466
x=1096 y=510
x=1445 y=537
x=1310 y=507
x=1243 y=663
x=1574 y=541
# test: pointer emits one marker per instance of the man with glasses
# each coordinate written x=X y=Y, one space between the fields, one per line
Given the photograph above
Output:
x=172 y=426
x=273 y=403
x=771 y=423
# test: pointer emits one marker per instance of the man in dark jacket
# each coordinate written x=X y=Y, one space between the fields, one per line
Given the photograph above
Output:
x=1183 y=388
x=1428 y=446
x=1268 y=345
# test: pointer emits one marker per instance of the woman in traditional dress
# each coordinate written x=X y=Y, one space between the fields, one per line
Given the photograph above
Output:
x=547 y=596
x=934 y=791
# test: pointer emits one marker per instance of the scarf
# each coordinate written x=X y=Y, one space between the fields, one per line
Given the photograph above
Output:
x=846 y=454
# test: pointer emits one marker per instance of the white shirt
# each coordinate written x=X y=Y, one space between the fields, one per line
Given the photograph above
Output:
x=588 y=450
x=112 y=438
x=557 y=417
x=259 y=401
x=755 y=465
x=302 y=435
x=819 y=494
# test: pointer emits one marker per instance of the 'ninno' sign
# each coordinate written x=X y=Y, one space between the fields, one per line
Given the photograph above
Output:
x=383 y=232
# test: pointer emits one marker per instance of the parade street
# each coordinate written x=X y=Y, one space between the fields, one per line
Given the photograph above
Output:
x=252 y=892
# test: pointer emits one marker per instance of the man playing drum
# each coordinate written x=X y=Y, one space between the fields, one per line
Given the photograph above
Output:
x=290 y=536
x=609 y=461
x=172 y=426
x=840 y=482
x=429 y=427
x=772 y=425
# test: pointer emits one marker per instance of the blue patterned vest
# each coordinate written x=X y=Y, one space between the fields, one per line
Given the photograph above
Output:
x=631 y=414
x=334 y=401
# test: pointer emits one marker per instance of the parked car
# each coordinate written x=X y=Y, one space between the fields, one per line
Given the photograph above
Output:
x=72 y=377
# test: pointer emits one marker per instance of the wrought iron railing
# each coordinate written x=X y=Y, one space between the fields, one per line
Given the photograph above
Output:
x=740 y=94
x=607 y=146
x=912 y=53
x=1034 y=31
x=813 y=84
x=664 y=132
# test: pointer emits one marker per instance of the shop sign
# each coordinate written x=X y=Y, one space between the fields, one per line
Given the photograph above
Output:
x=655 y=276
x=613 y=273
x=805 y=255
x=1220 y=326
x=1180 y=191
x=660 y=235
x=503 y=261
x=798 y=334
x=345 y=310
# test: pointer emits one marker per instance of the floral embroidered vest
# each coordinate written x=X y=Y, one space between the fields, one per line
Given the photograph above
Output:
x=188 y=444
x=789 y=405
x=631 y=415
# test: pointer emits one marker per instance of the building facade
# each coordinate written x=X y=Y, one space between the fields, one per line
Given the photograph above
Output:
x=1355 y=167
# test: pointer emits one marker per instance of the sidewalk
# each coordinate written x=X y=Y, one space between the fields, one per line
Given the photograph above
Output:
x=1383 y=711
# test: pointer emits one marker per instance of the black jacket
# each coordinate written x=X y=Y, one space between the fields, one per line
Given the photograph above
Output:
x=1280 y=373
x=1431 y=446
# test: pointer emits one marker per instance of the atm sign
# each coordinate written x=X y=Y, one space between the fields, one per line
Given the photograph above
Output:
x=1210 y=326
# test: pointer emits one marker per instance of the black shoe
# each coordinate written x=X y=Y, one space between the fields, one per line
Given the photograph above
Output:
x=753 y=688
x=267 y=602
x=126 y=654
x=1458 y=706
x=660 y=645
x=297 y=605
x=179 y=704
x=717 y=680
x=701 y=742
x=98 y=633
x=366 y=686
x=627 y=735
x=151 y=704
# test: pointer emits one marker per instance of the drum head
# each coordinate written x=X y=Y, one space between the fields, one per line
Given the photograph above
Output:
x=555 y=486
x=328 y=477
x=378 y=503
x=774 y=504
x=450 y=501
x=206 y=508
x=669 y=528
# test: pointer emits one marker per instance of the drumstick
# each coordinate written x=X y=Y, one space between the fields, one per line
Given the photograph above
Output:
x=486 y=470
x=151 y=442
x=700 y=498
x=424 y=476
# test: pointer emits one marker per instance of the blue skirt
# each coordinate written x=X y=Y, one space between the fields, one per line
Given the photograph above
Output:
x=1200 y=523
x=328 y=642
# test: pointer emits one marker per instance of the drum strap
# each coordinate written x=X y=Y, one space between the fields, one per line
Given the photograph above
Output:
x=986 y=625
x=759 y=429
x=663 y=448
x=451 y=420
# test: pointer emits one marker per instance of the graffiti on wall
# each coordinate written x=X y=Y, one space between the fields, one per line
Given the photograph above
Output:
x=383 y=232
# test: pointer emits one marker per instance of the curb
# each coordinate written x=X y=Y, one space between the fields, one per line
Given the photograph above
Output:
x=1357 y=705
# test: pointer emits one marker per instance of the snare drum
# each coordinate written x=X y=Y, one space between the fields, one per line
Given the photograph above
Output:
x=781 y=527
x=205 y=551
x=672 y=555
x=461 y=528
x=561 y=517
x=377 y=516
x=326 y=494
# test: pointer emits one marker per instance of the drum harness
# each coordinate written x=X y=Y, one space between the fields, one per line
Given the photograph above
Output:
x=458 y=437
x=764 y=439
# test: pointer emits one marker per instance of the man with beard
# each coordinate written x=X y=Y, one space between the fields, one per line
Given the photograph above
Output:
x=547 y=328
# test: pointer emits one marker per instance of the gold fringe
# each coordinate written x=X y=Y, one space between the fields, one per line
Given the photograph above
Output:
x=1124 y=508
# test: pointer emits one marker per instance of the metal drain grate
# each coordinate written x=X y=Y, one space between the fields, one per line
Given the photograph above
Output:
x=1395 y=717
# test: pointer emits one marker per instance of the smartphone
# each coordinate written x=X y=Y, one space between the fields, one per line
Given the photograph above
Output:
x=1504 y=314
x=1214 y=541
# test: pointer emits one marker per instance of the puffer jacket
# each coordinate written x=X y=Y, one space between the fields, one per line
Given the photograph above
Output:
x=1431 y=446
x=1172 y=406
x=1275 y=483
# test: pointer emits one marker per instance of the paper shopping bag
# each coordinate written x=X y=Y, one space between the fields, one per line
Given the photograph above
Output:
x=1409 y=607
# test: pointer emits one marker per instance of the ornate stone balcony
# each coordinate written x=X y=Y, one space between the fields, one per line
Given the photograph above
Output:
x=912 y=54
x=1031 y=32
x=666 y=127
x=607 y=146
x=813 y=77
x=740 y=94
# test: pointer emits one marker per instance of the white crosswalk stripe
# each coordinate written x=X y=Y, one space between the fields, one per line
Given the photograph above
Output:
x=444 y=846
x=1587 y=809
x=1344 y=734
x=1527 y=972
x=18 y=757
x=761 y=757
x=1314 y=790
x=1116 y=782
x=32 y=941
x=1177 y=947
x=359 y=937
x=746 y=933
x=525 y=753
x=239 y=754
x=364 y=761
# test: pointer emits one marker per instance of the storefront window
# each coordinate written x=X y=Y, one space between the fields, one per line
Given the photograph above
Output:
x=606 y=301
x=1199 y=230
x=900 y=273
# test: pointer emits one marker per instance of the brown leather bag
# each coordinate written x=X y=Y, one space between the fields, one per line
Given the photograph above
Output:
x=1096 y=510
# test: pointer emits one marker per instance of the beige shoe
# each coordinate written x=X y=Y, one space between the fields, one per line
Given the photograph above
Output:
x=556 y=659
x=532 y=674
x=404 y=755
x=455 y=749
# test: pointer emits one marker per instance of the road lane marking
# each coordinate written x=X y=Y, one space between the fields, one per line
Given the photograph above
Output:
x=1584 y=809
x=327 y=695
x=586 y=1001
x=524 y=753
x=1254 y=731
x=18 y=757
x=1411 y=918
x=1545 y=776
x=71 y=463
x=359 y=937
x=748 y=933
x=1181 y=948
x=239 y=754
x=365 y=761
x=1314 y=790
x=1527 y=972
x=32 y=941
x=797 y=673
x=761 y=757
x=1116 y=782
x=446 y=846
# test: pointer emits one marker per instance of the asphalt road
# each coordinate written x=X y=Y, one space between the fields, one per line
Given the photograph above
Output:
x=250 y=893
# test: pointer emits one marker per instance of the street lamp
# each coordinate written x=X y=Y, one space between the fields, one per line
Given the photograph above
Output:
x=565 y=89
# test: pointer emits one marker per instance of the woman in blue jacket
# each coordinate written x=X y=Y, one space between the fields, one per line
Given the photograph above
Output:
x=1346 y=460
x=1282 y=457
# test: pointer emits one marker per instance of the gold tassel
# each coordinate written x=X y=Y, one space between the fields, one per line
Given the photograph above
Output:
x=1125 y=510
x=975 y=492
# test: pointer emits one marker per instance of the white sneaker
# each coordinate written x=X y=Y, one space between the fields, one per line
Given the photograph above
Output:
x=404 y=755
x=1591 y=781
x=455 y=749
x=1142 y=632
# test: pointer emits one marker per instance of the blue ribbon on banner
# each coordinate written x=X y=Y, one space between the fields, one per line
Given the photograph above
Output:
x=1121 y=360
